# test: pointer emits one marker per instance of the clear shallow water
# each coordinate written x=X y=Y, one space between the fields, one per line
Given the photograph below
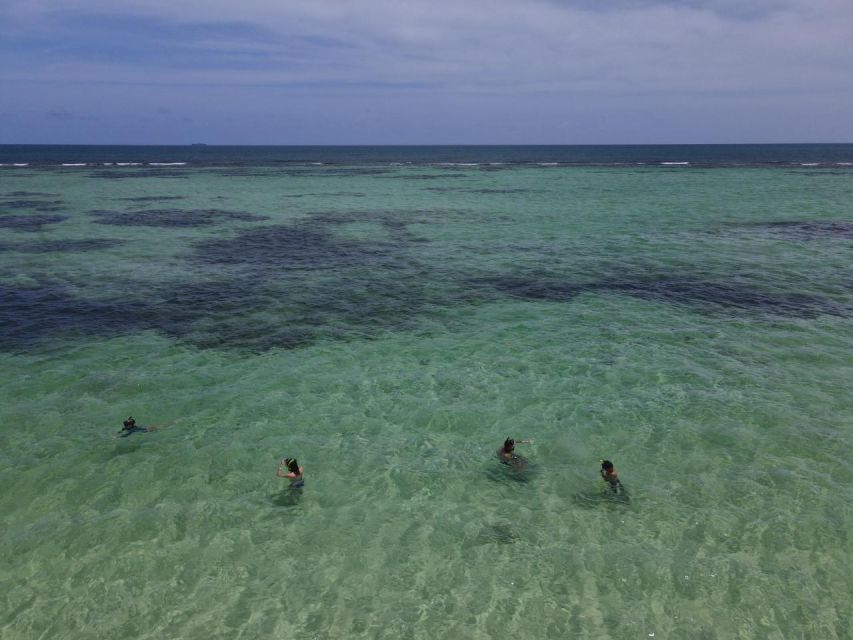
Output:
x=389 y=326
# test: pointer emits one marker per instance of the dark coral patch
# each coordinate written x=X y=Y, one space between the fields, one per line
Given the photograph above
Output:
x=472 y=190
x=428 y=176
x=36 y=205
x=262 y=291
x=535 y=288
x=341 y=172
x=130 y=174
x=733 y=295
x=29 y=223
x=152 y=198
x=245 y=172
x=285 y=247
x=696 y=293
x=325 y=171
x=237 y=313
x=347 y=194
x=396 y=223
x=207 y=318
x=30 y=314
x=62 y=246
x=248 y=313
x=808 y=229
x=172 y=217
x=29 y=194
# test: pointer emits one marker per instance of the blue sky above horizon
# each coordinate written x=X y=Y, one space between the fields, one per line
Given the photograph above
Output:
x=425 y=72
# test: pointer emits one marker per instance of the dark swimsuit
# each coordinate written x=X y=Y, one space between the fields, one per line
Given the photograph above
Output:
x=615 y=485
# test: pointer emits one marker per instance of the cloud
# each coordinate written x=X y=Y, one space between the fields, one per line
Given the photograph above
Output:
x=732 y=9
x=508 y=46
x=584 y=51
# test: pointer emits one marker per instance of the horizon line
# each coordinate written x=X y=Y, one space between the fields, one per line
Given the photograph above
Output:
x=395 y=145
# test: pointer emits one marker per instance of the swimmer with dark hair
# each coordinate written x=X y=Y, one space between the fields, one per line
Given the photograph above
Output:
x=507 y=452
x=131 y=427
x=608 y=473
x=295 y=473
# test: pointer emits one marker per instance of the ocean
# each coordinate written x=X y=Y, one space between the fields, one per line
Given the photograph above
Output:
x=388 y=316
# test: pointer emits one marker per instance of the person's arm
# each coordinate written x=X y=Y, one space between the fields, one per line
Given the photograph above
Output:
x=280 y=465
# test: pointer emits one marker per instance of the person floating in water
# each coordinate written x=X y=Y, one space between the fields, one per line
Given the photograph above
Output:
x=608 y=473
x=507 y=452
x=130 y=426
x=295 y=473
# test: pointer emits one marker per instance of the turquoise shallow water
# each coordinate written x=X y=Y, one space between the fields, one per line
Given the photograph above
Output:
x=390 y=326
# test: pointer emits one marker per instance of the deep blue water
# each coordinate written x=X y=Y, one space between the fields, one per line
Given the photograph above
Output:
x=584 y=155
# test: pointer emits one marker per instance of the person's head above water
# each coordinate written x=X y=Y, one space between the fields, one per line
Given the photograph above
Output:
x=608 y=472
x=509 y=445
x=129 y=423
x=292 y=465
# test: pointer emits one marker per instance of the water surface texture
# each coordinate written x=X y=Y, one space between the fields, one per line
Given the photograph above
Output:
x=388 y=316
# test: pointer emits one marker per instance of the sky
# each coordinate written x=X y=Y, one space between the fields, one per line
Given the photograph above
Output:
x=425 y=71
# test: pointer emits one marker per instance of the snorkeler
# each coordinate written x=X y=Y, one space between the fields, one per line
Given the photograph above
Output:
x=295 y=474
x=507 y=452
x=608 y=473
x=130 y=427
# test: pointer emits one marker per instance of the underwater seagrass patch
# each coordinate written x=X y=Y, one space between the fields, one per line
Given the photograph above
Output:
x=172 y=217
x=806 y=229
x=125 y=173
x=286 y=247
x=473 y=190
x=691 y=292
x=29 y=223
x=61 y=246
x=29 y=194
x=144 y=199
x=43 y=206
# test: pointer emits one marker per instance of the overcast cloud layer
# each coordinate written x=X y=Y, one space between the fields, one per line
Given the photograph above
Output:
x=432 y=72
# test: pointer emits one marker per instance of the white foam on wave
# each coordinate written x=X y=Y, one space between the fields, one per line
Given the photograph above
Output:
x=844 y=164
x=107 y=164
x=20 y=164
x=458 y=164
x=128 y=164
x=549 y=164
x=675 y=163
x=73 y=164
x=167 y=164
x=809 y=164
